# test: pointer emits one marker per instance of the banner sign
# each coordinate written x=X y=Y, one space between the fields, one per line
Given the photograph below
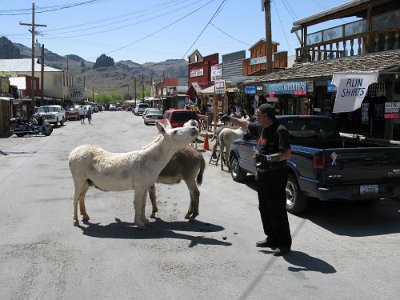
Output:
x=250 y=89
x=352 y=87
x=292 y=88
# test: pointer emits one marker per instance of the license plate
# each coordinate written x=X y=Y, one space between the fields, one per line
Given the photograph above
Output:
x=370 y=189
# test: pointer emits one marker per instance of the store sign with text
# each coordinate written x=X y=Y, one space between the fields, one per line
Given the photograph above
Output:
x=250 y=89
x=196 y=73
x=220 y=87
x=297 y=88
x=392 y=110
x=216 y=72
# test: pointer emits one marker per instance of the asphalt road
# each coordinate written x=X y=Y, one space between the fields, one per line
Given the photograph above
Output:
x=340 y=250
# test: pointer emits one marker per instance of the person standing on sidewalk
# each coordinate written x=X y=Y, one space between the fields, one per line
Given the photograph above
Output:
x=89 y=114
x=273 y=149
x=81 y=114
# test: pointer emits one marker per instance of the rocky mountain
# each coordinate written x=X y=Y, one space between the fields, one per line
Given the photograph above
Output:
x=104 y=74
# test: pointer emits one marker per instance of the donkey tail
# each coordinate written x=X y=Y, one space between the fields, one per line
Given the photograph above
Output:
x=199 y=179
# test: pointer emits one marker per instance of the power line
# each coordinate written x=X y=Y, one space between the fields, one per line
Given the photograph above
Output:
x=138 y=14
x=43 y=9
x=283 y=30
x=205 y=27
x=120 y=27
x=161 y=29
x=233 y=38
x=289 y=9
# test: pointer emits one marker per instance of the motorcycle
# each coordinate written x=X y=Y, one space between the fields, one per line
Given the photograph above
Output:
x=29 y=127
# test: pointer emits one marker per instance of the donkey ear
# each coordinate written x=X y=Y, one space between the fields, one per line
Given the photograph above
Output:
x=160 y=128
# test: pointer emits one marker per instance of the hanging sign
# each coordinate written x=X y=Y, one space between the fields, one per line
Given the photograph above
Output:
x=352 y=87
x=392 y=110
x=250 y=89
x=220 y=87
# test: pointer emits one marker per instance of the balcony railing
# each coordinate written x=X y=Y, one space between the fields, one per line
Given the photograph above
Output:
x=351 y=45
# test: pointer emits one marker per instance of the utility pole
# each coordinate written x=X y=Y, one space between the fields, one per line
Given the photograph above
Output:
x=143 y=87
x=32 y=30
x=268 y=38
x=135 y=89
x=42 y=76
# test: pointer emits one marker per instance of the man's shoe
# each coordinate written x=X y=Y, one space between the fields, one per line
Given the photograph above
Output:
x=265 y=243
x=281 y=251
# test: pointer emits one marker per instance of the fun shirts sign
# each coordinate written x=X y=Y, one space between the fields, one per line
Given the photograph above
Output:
x=351 y=89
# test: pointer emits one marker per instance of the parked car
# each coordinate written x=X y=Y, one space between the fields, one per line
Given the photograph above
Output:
x=140 y=108
x=147 y=110
x=112 y=107
x=54 y=114
x=326 y=165
x=178 y=117
x=152 y=115
x=72 y=113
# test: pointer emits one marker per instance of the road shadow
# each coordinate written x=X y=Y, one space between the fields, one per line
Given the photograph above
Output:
x=156 y=230
x=355 y=219
x=350 y=218
x=305 y=262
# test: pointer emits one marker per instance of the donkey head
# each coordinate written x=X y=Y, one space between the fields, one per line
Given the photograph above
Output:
x=178 y=137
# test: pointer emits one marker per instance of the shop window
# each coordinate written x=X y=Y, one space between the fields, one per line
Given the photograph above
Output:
x=376 y=89
x=396 y=87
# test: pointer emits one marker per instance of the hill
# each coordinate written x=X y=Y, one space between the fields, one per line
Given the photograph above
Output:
x=115 y=77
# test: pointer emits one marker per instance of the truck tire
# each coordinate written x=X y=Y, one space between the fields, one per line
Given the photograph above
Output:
x=20 y=134
x=62 y=122
x=296 y=202
x=237 y=173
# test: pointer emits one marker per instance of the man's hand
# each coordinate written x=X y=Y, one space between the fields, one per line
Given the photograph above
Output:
x=263 y=159
x=225 y=118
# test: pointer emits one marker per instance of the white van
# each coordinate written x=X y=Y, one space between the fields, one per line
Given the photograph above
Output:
x=140 y=107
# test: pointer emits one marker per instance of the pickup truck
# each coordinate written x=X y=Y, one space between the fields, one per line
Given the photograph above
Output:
x=54 y=114
x=327 y=165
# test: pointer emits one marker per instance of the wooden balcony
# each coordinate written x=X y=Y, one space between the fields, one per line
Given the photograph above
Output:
x=351 y=45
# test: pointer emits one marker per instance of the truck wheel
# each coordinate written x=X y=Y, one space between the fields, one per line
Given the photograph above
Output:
x=237 y=173
x=62 y=122
x=296 y=202
x=20 y=134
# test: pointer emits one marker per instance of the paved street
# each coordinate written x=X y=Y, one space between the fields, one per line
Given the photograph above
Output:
x=340 y=250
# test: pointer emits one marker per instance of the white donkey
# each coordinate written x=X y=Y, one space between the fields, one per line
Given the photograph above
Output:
x=225 y=140
x=137 y=170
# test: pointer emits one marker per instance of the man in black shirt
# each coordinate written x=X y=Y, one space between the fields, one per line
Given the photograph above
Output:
x=273 y=149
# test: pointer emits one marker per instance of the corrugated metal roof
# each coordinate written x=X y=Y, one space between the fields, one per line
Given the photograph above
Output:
x=372 y=62
x=22 y=65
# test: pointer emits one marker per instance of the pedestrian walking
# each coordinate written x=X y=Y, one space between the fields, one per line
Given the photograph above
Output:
x=271 y=153
x=82 y=114
x=89 y=114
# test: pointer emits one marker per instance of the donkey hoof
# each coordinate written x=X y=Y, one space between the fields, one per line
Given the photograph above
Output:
x=140 y=225
x=75 y=222
x=85 y=217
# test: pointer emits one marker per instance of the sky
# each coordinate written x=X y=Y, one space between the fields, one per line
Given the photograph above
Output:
x=155 y=30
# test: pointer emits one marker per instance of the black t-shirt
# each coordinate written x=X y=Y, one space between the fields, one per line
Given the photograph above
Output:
x=272 y=139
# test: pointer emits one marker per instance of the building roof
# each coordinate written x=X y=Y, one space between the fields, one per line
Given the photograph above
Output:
x=22 y=65
x=379 y=61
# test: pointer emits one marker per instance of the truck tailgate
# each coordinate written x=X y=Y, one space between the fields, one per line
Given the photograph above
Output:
x=362 y=165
